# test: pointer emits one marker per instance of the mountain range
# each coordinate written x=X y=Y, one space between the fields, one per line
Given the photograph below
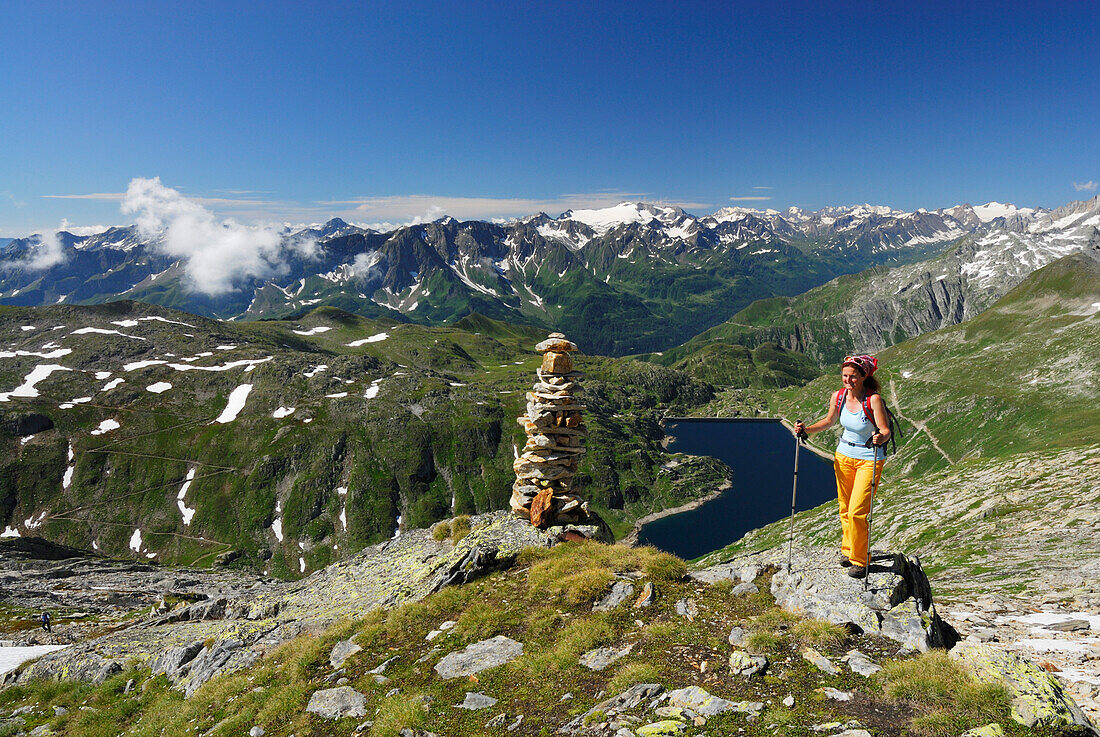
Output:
x=625 y=279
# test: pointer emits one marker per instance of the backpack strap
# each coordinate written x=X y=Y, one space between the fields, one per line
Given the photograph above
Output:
x=840 y=395
x=868 y=413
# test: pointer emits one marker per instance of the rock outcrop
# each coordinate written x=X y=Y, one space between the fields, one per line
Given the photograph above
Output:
x=897 y=604
x=896 y=601
x=233 y=625
x=1038 y=699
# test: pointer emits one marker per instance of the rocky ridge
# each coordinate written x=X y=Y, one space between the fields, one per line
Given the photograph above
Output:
x=194 y=643
x=201 y=624
x=896 y=602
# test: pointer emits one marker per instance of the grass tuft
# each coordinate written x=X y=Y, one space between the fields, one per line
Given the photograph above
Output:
x=820 y=634
x=480 y=621
x=952 y=699
x=580 y=572
x=396 y=713
x=762 y=642
x=631 y=674
x=460 y=527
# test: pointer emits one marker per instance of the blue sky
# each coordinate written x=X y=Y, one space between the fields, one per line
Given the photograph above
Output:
x=384 y=112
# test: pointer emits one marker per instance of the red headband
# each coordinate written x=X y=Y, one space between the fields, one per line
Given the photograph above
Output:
x=866 y=365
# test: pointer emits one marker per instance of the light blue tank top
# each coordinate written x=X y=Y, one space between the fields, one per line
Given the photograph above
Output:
x=856 y=430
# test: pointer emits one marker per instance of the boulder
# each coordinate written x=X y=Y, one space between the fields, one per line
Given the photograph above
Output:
x=625 y=701
x=1038 y=699
x=479 y=656
x=336 y=703
x=860 y=663
x=896 y=603
x=745 y=665
x=705 y=704
x=342 y=651
x=687 y=608
x=172 y=660
x=475 y=701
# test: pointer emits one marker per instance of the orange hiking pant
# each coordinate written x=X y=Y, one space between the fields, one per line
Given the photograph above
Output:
x=853 y=491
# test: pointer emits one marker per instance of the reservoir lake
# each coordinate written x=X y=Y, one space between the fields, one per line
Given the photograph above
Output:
x=761 y=454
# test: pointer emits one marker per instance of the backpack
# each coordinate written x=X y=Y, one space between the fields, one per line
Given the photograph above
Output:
x=868 y=414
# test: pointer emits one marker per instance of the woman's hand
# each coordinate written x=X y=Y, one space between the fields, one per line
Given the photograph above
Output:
x=799 y=428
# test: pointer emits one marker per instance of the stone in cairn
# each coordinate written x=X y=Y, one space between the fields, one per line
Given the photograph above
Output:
x=555 y=441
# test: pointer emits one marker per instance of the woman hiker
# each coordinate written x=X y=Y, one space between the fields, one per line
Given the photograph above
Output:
x=854 y=461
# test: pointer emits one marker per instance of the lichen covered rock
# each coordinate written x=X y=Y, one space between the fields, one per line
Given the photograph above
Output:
x=1038 y=699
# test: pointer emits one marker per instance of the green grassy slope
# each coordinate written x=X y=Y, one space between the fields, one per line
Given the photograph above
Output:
x=1022 y=376
x=1000 y=456
x=545 y=603
x=419 y=424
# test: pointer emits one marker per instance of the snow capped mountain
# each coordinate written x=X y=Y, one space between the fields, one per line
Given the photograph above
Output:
x=605 y=219
x=992 y=210
x=670 y=272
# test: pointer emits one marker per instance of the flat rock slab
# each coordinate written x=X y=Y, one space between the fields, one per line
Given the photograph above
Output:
x=336 y=703
x=475 y=701
x=602 y=657
x=620 y=592
x=479 y=656
x=1069 y=625
x=665 y=727
x=705 y=704
x=819 y=661
x=342 y=651
x=989 y=730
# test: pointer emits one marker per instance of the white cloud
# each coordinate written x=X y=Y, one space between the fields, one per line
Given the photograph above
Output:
x=749 y=199
x=363 y=267
x=1089 y=186
x=46 y=252
x=40 y=256
x=81 y=229
x=217 y=254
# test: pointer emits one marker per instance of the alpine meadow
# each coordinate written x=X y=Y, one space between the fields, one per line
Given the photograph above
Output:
x=432 y=370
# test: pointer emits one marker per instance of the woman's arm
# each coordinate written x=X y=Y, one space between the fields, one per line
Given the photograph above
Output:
x=878 y=409
x=825 y=422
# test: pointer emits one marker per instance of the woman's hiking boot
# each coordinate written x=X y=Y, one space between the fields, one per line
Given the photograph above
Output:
x=857 y=572
x=844 y=562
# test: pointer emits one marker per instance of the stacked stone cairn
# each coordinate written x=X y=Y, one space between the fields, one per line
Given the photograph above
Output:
x=555 y=441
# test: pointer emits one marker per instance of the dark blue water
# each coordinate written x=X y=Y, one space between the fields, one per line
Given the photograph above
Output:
x=761 y=455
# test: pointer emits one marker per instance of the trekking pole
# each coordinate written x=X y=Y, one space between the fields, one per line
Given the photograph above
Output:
x=799 y=438
x=875 y=473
